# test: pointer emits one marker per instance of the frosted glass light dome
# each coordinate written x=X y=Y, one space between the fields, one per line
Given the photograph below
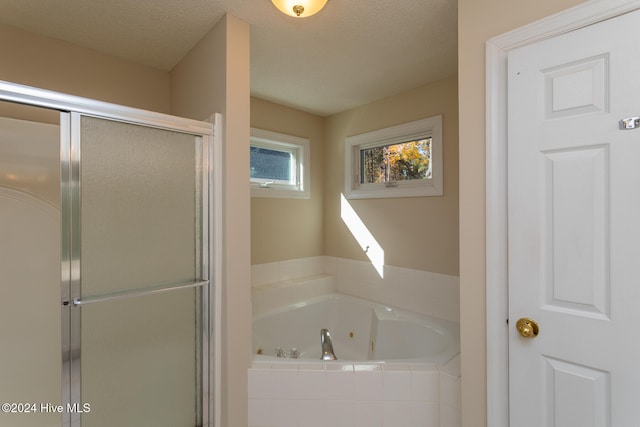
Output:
x=299 y=8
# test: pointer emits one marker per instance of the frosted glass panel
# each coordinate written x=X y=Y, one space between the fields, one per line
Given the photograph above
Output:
x=139 y=361
x=139 y=202
x=30 y=158
x=30 y=310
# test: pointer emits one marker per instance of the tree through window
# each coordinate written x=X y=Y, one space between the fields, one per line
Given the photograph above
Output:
x=396 y=162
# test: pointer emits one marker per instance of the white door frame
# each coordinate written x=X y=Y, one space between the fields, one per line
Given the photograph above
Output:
x=497 y=307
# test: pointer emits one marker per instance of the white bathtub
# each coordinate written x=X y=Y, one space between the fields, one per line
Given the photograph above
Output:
x=360 y=330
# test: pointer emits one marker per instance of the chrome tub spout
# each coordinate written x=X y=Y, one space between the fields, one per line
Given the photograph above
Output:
x=327 y=346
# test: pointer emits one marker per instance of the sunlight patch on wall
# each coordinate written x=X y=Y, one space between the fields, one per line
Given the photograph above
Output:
x=363 y=236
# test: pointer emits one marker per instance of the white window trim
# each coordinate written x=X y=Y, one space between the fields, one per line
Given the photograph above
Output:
x=302 y=146
x=419 y=129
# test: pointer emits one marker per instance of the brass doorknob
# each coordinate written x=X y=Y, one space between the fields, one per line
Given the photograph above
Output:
x=528 y=328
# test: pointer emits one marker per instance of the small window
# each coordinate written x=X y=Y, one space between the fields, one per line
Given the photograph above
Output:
x=279 y=165
x=399 y=161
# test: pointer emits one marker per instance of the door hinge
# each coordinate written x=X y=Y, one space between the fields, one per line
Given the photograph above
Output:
x=629 y=123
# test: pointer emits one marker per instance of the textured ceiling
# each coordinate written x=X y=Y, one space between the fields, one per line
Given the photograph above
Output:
x=351 y=53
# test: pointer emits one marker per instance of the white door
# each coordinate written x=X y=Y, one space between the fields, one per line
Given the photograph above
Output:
x=574 y=228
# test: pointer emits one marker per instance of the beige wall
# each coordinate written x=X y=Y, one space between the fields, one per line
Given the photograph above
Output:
x=283 y=229
x=52 y=64
x=415 y=232
x=478 y=21
x=214 y=77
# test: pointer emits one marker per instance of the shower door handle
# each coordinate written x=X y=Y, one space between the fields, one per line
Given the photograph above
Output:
x=136 y=293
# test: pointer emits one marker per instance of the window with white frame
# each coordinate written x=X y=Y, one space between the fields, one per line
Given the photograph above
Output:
x=279 y=165
x=398 y=161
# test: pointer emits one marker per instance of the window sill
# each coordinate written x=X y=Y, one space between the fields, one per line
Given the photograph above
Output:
x=278 y=193
x=380 y=191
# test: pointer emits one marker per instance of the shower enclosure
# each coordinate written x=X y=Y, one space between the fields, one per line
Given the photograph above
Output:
x=105 y=296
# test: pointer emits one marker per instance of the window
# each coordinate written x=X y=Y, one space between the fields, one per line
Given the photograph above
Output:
x=399 y=161
x=279 y=165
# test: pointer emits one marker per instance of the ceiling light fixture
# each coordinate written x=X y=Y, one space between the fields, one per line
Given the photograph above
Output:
x=299 y=8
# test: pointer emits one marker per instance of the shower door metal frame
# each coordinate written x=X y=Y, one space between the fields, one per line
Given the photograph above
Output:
x=71 y=109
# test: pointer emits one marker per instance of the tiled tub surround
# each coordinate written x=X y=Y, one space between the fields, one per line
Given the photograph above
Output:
x=424 y=292
x=341 y=393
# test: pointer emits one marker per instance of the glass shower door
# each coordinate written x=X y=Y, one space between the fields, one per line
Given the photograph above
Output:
x=30 y=318
x=139 y=300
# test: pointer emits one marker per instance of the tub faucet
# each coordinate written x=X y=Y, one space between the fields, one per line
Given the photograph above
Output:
x=327 y=346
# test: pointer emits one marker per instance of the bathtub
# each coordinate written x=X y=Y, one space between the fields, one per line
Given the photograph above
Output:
x=360 y=330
